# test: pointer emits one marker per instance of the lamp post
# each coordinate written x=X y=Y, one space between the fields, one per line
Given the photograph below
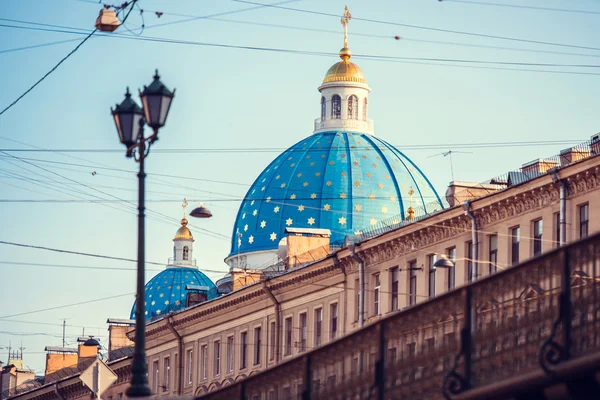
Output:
x=130 y=120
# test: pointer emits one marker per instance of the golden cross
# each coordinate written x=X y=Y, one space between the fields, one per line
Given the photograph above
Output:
x=184 y=205
x=410 y=194
x=345 y=19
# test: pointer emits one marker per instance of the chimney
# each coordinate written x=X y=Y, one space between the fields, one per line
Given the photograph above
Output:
x=58 y=358
x=243 y=277
x=196 y=295
x=538 y=166
x=87 y=348
x=117 y=333
x=304 y=245
x=459 y=192
x=573 y=154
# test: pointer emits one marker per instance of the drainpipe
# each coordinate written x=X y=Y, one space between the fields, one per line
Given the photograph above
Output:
x=474 y=238
x=361 y=284
x=180 y=358
x=277 y=306
x=563 y=206
x=338 y=264
x=57 y=393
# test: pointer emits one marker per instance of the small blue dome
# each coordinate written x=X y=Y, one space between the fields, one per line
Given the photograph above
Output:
x=346 y=182
x=166 y=291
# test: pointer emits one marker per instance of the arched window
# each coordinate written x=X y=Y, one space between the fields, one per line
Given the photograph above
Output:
x=336 y=107
x=365 y=105
x=174 y=253
x=353 y=107
x=323 y=108
x=186 y=253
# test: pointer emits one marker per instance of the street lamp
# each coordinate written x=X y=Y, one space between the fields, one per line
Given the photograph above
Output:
x=201 y=212
x=130 y=120
x=443 y=262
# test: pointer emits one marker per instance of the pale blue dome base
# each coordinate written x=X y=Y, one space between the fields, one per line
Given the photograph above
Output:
x=343 y=181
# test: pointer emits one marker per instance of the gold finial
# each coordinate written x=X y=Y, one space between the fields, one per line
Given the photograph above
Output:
x=411 y=210
x=184 y=205
x=345 y=53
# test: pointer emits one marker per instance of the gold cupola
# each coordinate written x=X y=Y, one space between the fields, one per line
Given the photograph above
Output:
x=183 y=233
x=345 y=71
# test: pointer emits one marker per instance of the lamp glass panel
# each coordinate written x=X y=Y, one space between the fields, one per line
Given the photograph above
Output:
x=152 y=105
x=164 y=109
x=125 y=127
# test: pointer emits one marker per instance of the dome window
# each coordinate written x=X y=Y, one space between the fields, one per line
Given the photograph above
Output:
x=323 y=108
x=186 y=253
x=336 y=107
x=365 y=105
x=353 y=107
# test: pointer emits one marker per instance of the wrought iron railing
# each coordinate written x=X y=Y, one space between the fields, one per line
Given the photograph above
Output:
x=526 y=319
x=365 y=126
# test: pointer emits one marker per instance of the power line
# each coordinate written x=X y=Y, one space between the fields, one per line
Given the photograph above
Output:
x=407 y=60
x=132 y=3
x=422 y=27
x=521 y=6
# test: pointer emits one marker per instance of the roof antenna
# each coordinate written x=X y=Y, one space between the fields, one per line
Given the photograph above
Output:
x=449 y=155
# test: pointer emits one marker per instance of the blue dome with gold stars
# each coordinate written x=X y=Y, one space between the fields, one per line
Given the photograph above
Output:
x=339 y=180
x=166 y=292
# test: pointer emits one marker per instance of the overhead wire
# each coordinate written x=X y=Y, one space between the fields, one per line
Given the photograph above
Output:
x=522 y=6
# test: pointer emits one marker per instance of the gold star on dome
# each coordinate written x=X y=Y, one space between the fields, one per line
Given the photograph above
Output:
x=178 y=287
x=299 y=175
x=328 y=183
x=355 y=163
x=386 y=176
x=252 y=203
x=393 y=167
x=317 y=174
x=342 y=195
x=166 y=302
x=369 y=175
x=276 y=209
x=393 y=198
x=323 y=156
x=312 y=164
x=153 y=302
x=269 y=199
x=343 y=173
x=342 y=220
x=313 y=195
x=289 y=221
x=384 y=210
x=293 y=197
x=402 y=187
x=374 y=165
x=292 y=165
x=282 y=185
x=300 y=208
x=358 y=207
x=379 y=158
x=277 y=177
x=157 y=312
x=343 y=156
x=305 y=184
x=311 y=221
x=364 y=156
x=273 y=237
x=251 y=239
x=331 y=162
x=177 y=302
x=263 y=223
x=255 y=212
x=289 y=158
x=371 y=196
x=372 y=221
x=277 y=166
x=356 y=183
x=326 y=207
x=244 y=216
x=246 y=228
x=262 y=189
x=308 y=156
x=161 y=295
x=357 y=232
x=380 y=185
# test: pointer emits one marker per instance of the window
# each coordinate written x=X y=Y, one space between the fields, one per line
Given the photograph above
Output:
x=318 y=326
x=190 y=365
x=303 y=332
x=230 y=354
x=357 y=297
x=557 y=229
x=365 y=103
x=515 y=239
x=186 y=252
x=451 y=253
x=323 y=108
x=376 y=293
x=217 y=355
x=257 y=345
x=584 y=217
x=272 y=347
x=336 y=107
x=471 y=268
x=353 y=107
x=156 y=376
x=493 y=258
x=411 y=349
x=537 y=237
x=333 y=315
x=412 y=283
x=395 y=276
x=288 y=336
x=243 y=349
x=167 y=372
x=204 y=361
x=430 y=261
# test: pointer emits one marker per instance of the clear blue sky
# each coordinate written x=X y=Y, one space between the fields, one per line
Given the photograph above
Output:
x=242 y=98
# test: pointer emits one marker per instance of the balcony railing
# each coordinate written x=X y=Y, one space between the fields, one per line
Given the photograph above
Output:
x=172 y=261
x=525 y=321
x=364 y=126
